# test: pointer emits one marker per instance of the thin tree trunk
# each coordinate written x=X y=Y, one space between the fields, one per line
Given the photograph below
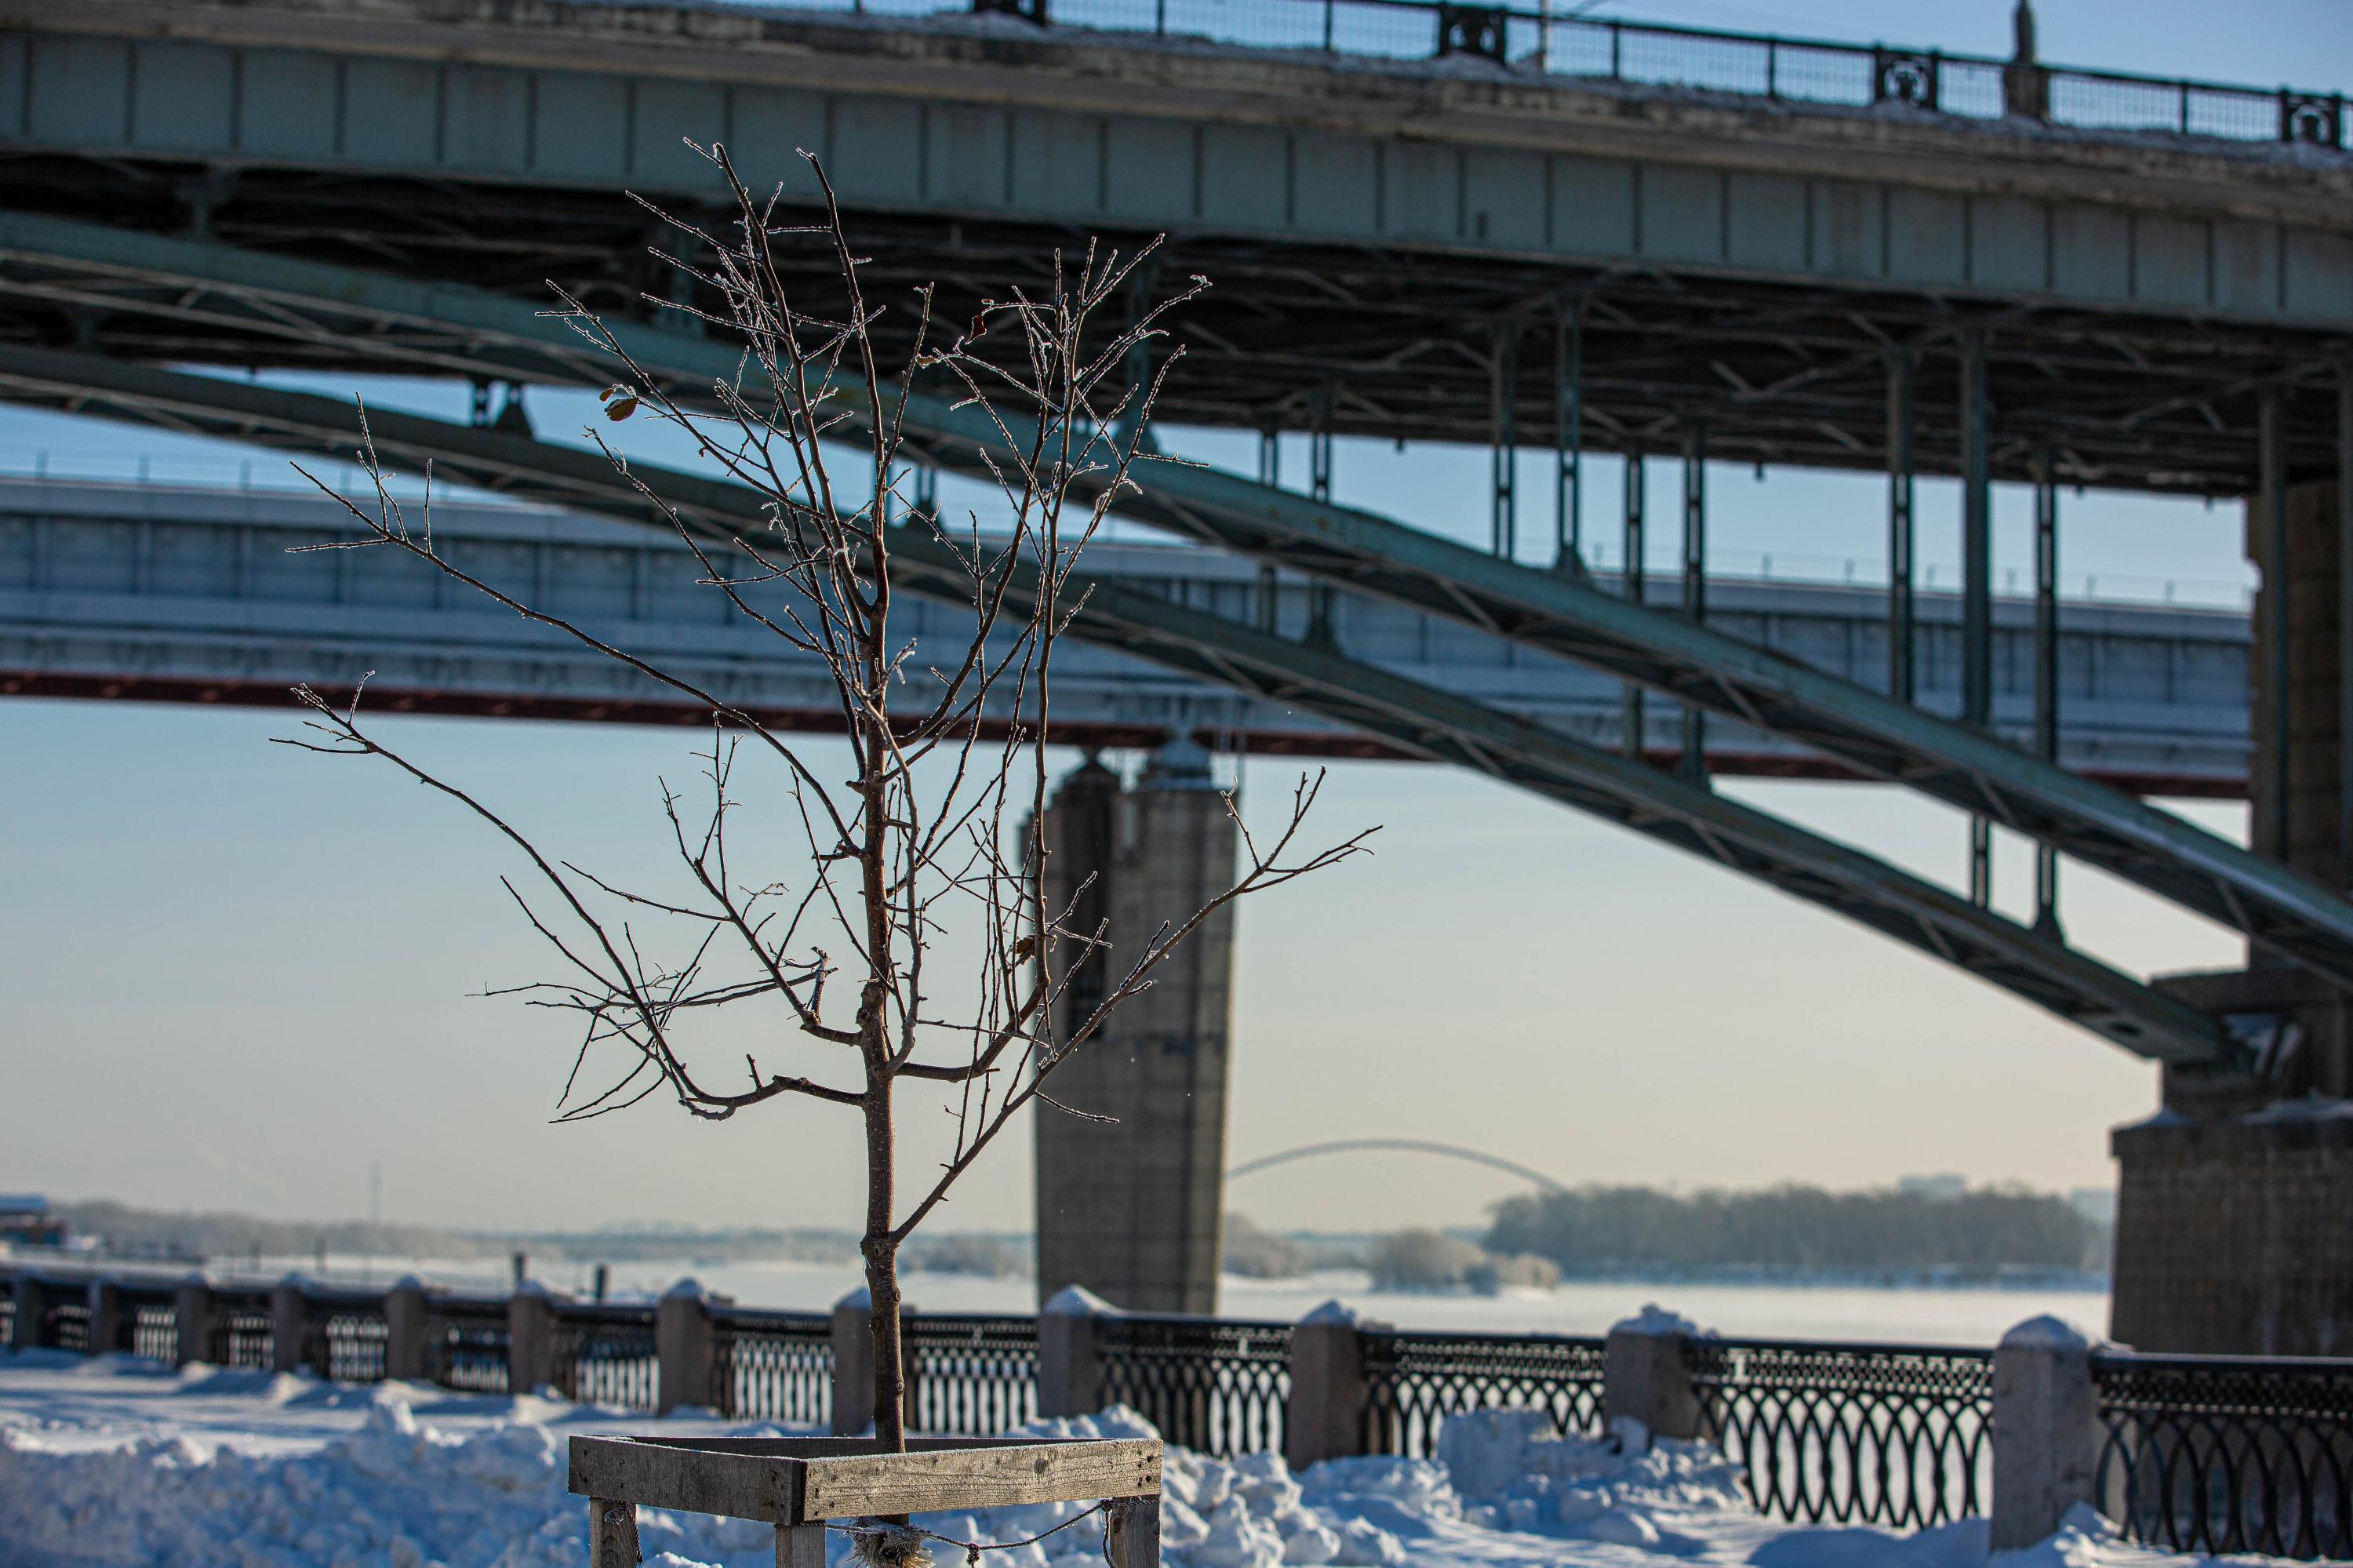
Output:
x=882 y=1253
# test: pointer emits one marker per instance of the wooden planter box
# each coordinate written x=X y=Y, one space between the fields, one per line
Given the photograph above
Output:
x=799 y=1483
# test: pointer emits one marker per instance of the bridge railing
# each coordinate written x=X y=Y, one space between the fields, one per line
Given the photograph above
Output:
x=2204 y=1454
x=1603 y=556
x=1802 y=71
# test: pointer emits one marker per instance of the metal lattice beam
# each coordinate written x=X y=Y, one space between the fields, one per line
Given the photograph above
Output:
x=1417 y=719
x=446 y=329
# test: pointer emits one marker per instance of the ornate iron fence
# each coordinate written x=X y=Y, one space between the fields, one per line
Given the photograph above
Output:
x=606 y=1354
x=774 y=1366
x=1214 y=1386
x=1412 y=1381
x=242 y=1332
x=344 y=1336
x=65 y=1326
x=1809 y=70
x=1894 y=1435
x=2225 y=1454
x=467 y=1344
x=974 y=1375
x=147 y=1323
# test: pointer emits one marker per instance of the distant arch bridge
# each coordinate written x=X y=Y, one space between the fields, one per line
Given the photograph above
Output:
x=1397 y=1145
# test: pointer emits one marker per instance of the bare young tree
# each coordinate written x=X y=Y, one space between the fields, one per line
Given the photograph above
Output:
x=927 y=834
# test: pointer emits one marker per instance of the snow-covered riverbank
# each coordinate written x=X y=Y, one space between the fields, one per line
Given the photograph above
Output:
x=114 y=1462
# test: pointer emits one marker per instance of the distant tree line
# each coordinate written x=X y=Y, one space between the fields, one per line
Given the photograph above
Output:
x=1608 y=1230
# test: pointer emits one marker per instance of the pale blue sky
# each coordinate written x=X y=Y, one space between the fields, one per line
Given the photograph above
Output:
x=239 y=976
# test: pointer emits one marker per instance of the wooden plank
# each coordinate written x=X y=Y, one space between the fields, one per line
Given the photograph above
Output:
x=661 y=1475
x=798 y=1546
x=1132 y=1533
x=929 y=1479
x=613 y=1534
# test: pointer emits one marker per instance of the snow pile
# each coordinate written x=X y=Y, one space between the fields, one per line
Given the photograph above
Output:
x=1524 y=1476
x=381 y=1488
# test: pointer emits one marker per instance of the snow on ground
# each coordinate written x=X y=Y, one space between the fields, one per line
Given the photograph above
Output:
x=110 y=1461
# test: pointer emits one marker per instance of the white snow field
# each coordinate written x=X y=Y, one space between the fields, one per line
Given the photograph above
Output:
x=107 y=1461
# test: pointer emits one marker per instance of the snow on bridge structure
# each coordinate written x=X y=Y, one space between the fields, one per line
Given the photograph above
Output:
x=1889 y=260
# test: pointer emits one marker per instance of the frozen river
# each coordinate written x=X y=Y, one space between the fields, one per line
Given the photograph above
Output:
x=1927 y=1316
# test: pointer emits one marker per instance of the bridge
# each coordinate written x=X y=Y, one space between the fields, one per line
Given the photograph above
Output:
x=185 y=594
x=1888 y=259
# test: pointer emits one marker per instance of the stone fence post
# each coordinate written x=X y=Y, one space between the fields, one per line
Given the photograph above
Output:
x=406 y=1313
x=105 y=1314
x=2046 y=1429
x=531 y=1338
x=1646 y=1380
x=289 y=1323
x=195 y=1311
x=32 y=1298
x=686 y=1349
x=1069 y=1369
x=1327 y=1415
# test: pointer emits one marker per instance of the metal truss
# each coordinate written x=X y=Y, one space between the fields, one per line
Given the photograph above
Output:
x=422 y=327
x=1416 y=719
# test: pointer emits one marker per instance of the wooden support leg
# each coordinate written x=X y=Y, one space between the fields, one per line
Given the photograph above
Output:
x=612 y=1533
x=800 y=1546
x=1132 y=1533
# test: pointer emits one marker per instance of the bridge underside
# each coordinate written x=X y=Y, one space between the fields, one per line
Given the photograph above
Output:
x=1396 y=343
x=1420 y=720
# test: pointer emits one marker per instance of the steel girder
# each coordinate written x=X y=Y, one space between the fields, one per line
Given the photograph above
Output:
x=1420 y=720
x=450 y=330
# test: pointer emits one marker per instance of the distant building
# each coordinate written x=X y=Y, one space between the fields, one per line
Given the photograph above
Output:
x=1942 y=1188
x=26 y=1220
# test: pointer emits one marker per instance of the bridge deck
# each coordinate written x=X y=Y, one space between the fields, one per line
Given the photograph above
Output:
x=188 y=594
x=1387 y=237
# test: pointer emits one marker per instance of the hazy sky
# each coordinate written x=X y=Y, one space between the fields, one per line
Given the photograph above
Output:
x=236 y=976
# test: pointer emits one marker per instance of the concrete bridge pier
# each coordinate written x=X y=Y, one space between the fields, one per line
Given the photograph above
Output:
x=1133 y=1209
x=2231 y=1226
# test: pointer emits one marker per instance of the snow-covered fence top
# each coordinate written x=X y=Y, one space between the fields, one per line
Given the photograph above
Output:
x=2196 y=1453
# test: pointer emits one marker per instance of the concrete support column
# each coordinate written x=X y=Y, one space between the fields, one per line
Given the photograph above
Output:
x=289 y=1323
x=105 y=1315
x=1326 y=1414
x=407 y=1354
x=531 y=1338
x=2045 y=1429
x=686 y=1348
x=197 y=1311
x=1069 y=1371
x=32 y=1297
x=1646 y=1382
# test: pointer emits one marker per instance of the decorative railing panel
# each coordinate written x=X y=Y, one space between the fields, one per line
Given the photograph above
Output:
x=1413 y=1381
x=1893 y=1435
x=605 y=1355
x=65 y=1326
x=242 y=1333
x=772 y=1366
x=344 y=1338
x=467 y=1344
x=2221 y=1454
x=1213 y=1386
x=973 y=1375
x=147 y=1324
